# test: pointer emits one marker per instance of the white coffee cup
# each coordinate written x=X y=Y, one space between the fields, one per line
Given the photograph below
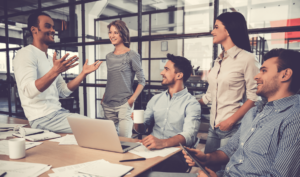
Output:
x=16 y=148
x=138 y=116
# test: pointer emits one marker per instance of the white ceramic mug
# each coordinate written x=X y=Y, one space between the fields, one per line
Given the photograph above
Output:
x=16 y=148
x=138 y=116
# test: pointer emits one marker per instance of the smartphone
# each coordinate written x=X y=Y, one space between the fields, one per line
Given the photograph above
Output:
x=193 y=158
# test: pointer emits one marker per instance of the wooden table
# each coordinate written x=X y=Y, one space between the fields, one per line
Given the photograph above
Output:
x=63 y=155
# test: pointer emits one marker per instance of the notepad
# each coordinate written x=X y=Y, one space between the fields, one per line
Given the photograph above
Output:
x=144 y=152
x=4 y=135
x=92 y=169
x=42 y=136
x=11 y=125
x=32 y=134
x=105 y=168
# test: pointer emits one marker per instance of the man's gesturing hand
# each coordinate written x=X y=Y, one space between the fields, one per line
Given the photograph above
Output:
x=62 y=65
x=87 y=69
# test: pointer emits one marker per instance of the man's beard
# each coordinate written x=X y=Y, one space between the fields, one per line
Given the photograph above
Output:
x=270 y=88
x=48 y=35
x=49 y=42
x=172 y=82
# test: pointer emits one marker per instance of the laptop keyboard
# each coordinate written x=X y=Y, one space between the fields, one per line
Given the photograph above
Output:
x=124 y=147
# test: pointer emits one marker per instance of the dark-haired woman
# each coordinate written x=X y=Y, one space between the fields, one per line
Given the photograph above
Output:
x=232 y=88
x=122 y=66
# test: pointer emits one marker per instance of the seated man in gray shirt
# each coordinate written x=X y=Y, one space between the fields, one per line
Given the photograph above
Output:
x=175 y=114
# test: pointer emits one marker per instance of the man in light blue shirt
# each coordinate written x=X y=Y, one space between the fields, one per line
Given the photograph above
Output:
x=175 y=114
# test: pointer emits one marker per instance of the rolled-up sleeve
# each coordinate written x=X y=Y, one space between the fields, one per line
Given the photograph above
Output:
x=191 y=122
x=25 y=68
x=207 y=97
x=62 y=87
x=149 y=113
x=251 y=69
x=137 y=68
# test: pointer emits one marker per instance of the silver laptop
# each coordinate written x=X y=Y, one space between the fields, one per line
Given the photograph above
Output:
x=98 y=134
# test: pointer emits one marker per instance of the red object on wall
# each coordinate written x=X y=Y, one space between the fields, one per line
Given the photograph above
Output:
x=286 y=35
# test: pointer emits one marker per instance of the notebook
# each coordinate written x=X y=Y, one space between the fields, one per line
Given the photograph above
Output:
x=98 y=134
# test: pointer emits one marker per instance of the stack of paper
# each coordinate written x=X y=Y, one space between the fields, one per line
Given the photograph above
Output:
x=7 y=129
x=23 y=169
x=105 y=168
x=144 y=152
x=4 y=135
x=32 y=134
x=29 y=131
x=4 y=146
x=92 y=169
x=10 y=126
x=42 y=136
x=69 y=171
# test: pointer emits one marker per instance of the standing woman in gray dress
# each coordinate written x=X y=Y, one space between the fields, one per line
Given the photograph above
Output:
x=122 y=66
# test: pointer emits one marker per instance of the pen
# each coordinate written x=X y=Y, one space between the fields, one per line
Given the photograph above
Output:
x=127 y=160
x=3 y=174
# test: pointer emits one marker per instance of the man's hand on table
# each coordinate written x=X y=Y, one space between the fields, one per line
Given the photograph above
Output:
x=152 y=142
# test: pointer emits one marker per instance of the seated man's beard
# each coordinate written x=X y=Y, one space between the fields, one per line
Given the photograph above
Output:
x=168 y=83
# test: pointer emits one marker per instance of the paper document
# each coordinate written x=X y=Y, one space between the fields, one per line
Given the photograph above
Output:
x=57 y=139
x=91 y=169
x=75 y=174
x=70 y=168
x=42 y=136
x=144 y=152
x=70 y=171
x=23 y=169
x=105 y=168
x=11 y=125
x=68 y=140
x=4 y=146
x=28 y=131
x=4 y=135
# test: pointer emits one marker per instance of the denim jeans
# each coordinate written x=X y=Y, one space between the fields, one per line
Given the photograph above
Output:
x=121 y=116
x=217 y=138
x=55 y=121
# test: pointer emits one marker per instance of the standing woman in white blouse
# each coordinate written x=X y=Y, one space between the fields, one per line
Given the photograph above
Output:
x=231 y=80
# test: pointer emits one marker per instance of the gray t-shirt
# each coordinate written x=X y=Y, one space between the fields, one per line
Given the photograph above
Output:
x=121 y=70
